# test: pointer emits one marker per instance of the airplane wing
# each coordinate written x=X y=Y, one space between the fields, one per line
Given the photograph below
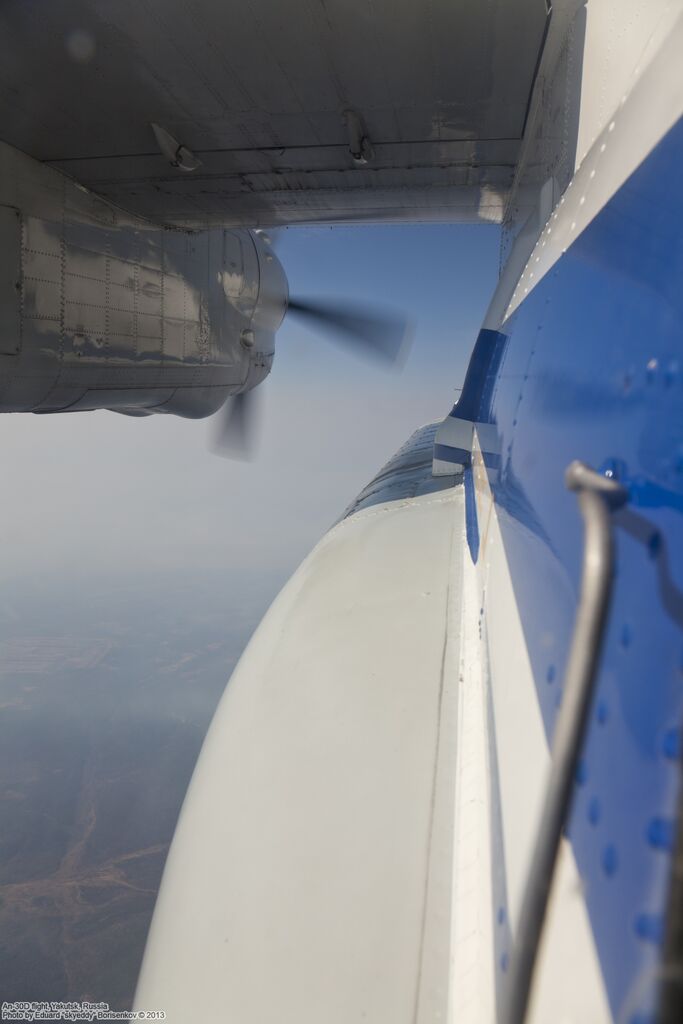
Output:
x=337 y=854
x=295 y=111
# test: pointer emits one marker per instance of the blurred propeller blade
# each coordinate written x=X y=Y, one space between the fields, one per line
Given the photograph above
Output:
x=236 y=427
x=381 y=336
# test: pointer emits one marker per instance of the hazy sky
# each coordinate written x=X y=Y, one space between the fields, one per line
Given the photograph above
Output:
x=99 y=492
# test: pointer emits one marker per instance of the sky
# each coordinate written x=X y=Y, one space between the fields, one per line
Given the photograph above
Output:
x=99 y=493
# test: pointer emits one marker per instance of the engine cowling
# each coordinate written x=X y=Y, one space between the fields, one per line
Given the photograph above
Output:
x=101 y=311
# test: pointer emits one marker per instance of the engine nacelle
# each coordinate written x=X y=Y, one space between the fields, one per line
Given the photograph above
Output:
x=99 y=310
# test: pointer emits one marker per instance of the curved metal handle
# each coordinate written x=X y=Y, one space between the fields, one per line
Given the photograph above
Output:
x=597 y=495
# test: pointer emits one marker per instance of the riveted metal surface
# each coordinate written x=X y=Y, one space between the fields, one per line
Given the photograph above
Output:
x=600 y=380
x=116 y=313
x=259 y=98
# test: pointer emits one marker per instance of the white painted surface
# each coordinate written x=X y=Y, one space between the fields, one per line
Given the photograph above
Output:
x=472 y=986
x=546 y=161
x=618 y=34
x=435 y=986
x=456 y=433
x=608 y=89
x=295 y=887
x=523 y=759
x=650 y=104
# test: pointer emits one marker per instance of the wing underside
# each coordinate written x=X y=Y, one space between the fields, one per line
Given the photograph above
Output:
x=271 y=99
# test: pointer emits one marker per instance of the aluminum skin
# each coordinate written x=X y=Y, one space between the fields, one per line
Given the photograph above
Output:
x=104 y=310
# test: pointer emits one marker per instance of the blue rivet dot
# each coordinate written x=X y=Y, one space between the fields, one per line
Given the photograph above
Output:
x=649 y=927
x=660 y=833
x=625 y=636
x=654 y=543
x=602 y=712
x=671 y=744
x=504 y=962
x=550 y=674
x=581 y=773
x=501 y=915
x=670 y=373
x=610 y=860
x=594 y=811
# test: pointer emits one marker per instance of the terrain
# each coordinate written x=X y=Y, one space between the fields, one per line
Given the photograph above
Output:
x=107 y=687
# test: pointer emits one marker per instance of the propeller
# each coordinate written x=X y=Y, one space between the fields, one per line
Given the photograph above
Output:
x=381 y=337
x=376 y=335
x=236 y=426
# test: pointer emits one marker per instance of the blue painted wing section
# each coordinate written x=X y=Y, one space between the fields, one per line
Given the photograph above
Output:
x=471 y=524
x=481 y=374
x=591 y=367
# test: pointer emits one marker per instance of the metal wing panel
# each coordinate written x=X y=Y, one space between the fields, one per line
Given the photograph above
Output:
x=258 y=94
